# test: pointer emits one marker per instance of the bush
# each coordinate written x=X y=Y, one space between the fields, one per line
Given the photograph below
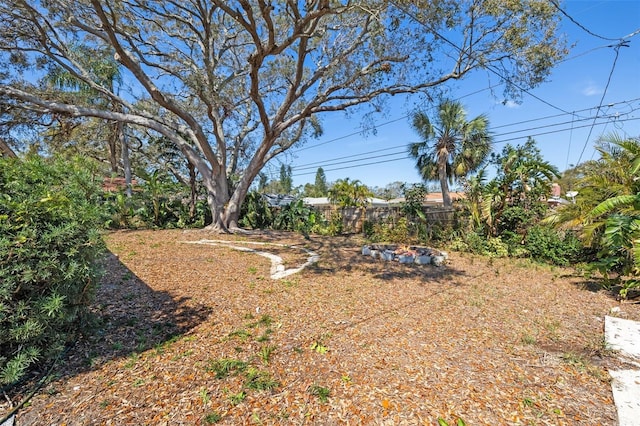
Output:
x=295 y=216
x=473 y=242
x=49 y=241
x=255 y=212
x=549 y=245
x=334 y=226
x=390 y=231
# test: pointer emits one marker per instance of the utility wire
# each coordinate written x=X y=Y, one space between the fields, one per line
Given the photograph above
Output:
x=497 y=73
x=404 y=145
x=403 y=152
x=574 y=113
x=382 y=124
x=350 y=167
x=329 y=163
x=582 y=27
x=566 y=165
x=488 y=67
x=604 y=93
x=529 y=129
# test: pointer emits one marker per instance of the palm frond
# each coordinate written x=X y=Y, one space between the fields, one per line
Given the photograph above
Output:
x=614 y=203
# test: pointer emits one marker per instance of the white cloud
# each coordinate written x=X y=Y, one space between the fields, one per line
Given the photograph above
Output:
x=511 y=104
x=592 y=89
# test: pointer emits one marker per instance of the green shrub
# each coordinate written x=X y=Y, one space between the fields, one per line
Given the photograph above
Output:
x=549 y=245
x=391 y=231
x=296 y=216
x=49 y=241
x=497 y=248
x=471 y=242
x=158 y=202
x=255 y=212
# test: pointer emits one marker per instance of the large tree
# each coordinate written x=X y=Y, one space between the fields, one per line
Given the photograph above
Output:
x=451 y=146
x=232 y=84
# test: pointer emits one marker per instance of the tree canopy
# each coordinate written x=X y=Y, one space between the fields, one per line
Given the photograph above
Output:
x=451 y=146
x=232 y=84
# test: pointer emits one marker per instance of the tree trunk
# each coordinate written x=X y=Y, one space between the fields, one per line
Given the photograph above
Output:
x=444 y=183
x=112 y=143
x=218 y=201
x=6 y=150
x=194 y=193
x=126 y=164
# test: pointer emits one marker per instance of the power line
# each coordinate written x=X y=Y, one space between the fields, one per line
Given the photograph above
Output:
x=488 y=67
x=582 y=27
x=566 y=165
x=383 y=124
x=349 y=156
x=529 y=129
x=507 y=80
x=493 y=128
x=330 y=163
x=604 y=93
x=566 y=129
x=334 y=163
x=351 y=167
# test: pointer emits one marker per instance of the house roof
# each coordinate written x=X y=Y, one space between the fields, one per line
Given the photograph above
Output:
x=324 y=201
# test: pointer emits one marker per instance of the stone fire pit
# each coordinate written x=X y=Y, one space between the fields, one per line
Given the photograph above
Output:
x=405 y=254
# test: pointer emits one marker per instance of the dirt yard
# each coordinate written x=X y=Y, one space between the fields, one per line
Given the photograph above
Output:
x=191 y=334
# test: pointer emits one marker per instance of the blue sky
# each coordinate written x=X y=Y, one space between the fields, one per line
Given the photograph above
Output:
x=569 y=100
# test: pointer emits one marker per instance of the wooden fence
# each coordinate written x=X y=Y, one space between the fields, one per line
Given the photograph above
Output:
x=353 y=218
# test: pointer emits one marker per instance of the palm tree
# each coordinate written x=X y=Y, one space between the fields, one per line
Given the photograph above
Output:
x=616 y=220
x=607 y=209
x=348 y=193
x=451 y=146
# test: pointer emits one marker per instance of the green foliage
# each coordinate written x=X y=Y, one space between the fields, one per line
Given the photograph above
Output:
x=226 y=367
x=451 y=147
x=414 y=199
x=607 y=211
x=255 y=212
x=321 y=392
x=549 y=245
x=443 y=422
x=619 y=255
x=389 y=230
x=212 y=418
x=49 y=242
x=159 y=202
x=334 y=226
x=541 y=243
x=296 y=216
x=348 y=193
x=259 y=380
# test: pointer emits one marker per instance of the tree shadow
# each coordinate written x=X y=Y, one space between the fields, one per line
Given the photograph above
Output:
x=129 y=317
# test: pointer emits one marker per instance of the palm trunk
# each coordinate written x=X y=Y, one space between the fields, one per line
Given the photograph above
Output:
x=444 y=183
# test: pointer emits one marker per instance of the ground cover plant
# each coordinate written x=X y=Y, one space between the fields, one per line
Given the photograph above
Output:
x=194 y=334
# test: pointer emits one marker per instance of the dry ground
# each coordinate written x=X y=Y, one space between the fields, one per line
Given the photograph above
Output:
x=193 y=334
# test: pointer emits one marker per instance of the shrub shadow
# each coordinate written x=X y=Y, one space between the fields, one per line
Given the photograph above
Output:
x=128 y=317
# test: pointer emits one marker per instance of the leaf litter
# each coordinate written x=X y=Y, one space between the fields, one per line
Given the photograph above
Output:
x=486 y=341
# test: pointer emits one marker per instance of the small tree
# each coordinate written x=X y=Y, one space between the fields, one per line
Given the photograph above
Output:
x=347 y=193
x=321 y=187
